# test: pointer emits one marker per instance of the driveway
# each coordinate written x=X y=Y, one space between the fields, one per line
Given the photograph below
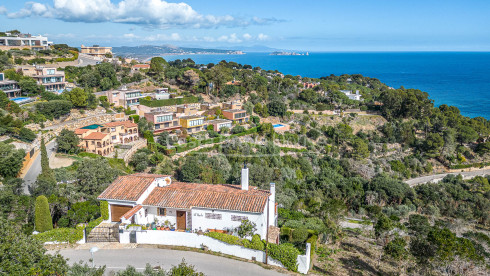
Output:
x=438 y=177
x=35 y=169
x=119 y=259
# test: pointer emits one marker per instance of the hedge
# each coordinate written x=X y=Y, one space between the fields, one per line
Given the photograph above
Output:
x=168 y=102
x=75 y=57
x=104 y=210
x=229 y=239
x=95 y=222
x=70 y=235
x=465 y=166
x=286 y=253
x=256 y=242
x=312 y=240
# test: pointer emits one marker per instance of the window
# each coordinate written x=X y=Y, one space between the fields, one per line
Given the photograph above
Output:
x=240 y=115
x=50 y=71
x=238 y=218
x=212 y=216
x=146 y=212
x=196 y=122
x=162 y=211
x=164 y=118
x=114 y=137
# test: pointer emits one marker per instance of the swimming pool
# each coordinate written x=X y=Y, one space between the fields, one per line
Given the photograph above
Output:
x=19 y=99
x=277 y=125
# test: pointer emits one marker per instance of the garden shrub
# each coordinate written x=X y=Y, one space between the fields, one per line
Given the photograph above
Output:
x=299 y=235
x=225 y=238
x=43 y=219
x=168 y=102
x=70 y=235
x=286 y=231
x=256 y=243
x=104 y=210
x=312 y=240
x=286 y=253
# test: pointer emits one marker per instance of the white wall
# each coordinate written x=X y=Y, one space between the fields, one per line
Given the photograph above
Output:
x=194 y=240
x=200 y=222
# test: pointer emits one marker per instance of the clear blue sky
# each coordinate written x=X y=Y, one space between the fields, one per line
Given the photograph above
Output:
x=320 y=25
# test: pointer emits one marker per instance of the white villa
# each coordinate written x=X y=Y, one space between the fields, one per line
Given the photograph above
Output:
x=150 y=198
x=351 y=95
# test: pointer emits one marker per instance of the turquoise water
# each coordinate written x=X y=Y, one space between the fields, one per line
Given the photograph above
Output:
x=452 y=78
x=277 y=125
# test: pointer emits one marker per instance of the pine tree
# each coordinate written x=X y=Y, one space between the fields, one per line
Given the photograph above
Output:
x=43 y=218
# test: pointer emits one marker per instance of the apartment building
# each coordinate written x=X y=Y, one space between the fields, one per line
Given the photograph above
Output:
x=9 y=87
x=24 y=41
x=187 y=109
x=236 y=115
x=192 y=124
x=232 y=105
x=163 y=120
x=96 y=51
x=125 y=97
x=50 y=78
x=218 y=124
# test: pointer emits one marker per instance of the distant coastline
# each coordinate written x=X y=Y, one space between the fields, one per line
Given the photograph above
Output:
x=460 y=79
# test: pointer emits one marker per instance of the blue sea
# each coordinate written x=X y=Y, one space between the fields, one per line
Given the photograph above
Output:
x=461 y=79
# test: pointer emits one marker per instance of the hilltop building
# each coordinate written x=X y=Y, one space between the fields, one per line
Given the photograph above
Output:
x=96 y=51
x=9 y=87
x=50 y=78
x=24 y=41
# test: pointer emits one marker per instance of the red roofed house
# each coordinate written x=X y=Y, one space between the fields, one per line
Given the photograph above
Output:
x=100 y=139
x=138 y=67
x=147 y=198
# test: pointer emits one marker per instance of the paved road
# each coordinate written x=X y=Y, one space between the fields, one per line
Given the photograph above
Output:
x=85 y=60
x=35 y=168
x=438 y=177
x=119 y=259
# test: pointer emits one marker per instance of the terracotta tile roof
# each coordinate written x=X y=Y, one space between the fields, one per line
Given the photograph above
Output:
x=95 y=136
x=131 y=212
x=80 y=130
x=141 y=66
x=121 y=123
x=223 y=197
x=129 y=187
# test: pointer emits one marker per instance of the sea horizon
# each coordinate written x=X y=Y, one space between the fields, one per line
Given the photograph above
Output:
x=460 y=79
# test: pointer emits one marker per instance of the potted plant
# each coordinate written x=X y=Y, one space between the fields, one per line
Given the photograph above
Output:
x=167 y=225
x=188 y=230
x=172 y=227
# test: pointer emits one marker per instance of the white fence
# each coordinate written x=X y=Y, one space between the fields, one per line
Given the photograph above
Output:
x=197 y=241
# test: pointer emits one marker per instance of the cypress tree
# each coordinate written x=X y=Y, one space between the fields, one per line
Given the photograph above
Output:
x=45 y=169
x=43 y=219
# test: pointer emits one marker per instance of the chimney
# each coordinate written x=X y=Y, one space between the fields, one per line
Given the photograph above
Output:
x=245 y=177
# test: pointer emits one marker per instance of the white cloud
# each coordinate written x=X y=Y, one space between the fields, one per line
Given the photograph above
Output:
x=247 y=36
x=154 y=13
x=262 y=37
x=129 y=36
x=3 y=10
x=164 y=37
